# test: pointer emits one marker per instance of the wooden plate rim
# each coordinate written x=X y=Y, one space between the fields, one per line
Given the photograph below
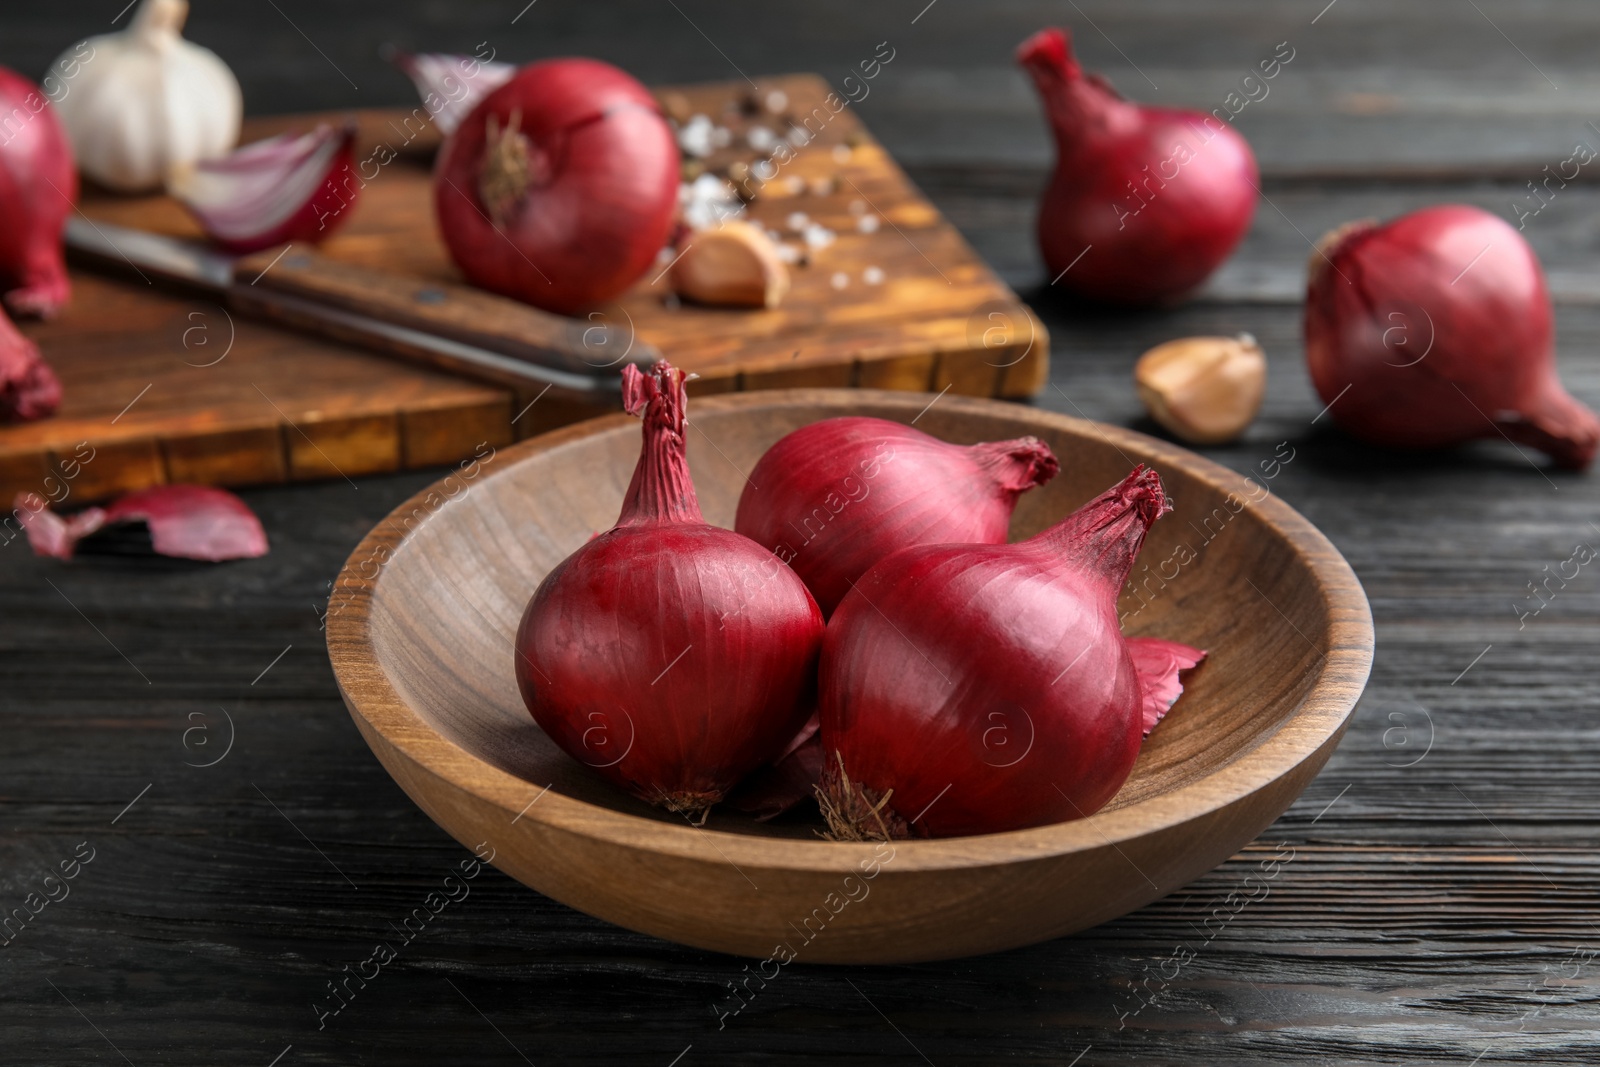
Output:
x=1319 y=719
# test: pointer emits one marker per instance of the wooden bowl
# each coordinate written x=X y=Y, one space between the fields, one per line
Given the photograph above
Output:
x=422 y=617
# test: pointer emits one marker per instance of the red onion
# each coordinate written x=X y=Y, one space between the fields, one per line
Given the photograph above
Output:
x=38 y=186
x=969 y=689
x=834 y=497
x=1151 y=198
x=672 y=656
x=29 y=389
x=186 y=521
x=285 y=188
x=1436 y=329
x=560 y=187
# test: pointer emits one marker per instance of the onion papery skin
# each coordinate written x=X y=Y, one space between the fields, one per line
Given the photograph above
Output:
x=1159 y=197
x=198 y=522
x=672 y=656
x=835 y=497
x=286 y=188
x=38 y=188
x=969 y=689
x=29 y=389
x=1436 y=329
x=600 y=194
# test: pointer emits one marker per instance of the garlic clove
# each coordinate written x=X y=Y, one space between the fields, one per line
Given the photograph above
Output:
x=1203 y=390
x=736 y=265
x=144 y=101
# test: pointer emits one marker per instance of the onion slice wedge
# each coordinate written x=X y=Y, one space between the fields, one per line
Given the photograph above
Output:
x=449 y=85
x=285 y=188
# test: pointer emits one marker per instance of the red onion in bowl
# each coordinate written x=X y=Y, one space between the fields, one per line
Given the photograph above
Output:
x=833 y=498
x=970 y=689
x=672 y=656
x=1435 y=329
x=560 y=187
x=38 y=187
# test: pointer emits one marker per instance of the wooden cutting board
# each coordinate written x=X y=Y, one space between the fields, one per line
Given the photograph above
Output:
x=165 y=386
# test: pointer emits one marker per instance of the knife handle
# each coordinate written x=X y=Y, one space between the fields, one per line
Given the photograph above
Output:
x=579 y=348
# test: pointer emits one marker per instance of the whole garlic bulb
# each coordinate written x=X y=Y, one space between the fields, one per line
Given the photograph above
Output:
x=146 y=101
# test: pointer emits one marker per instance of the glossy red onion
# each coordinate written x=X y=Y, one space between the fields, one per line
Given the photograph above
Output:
x=1152 y=199
x=560 y=187
x=672 y=656
x=285 y=188
x=1435 y=329
x=29 y=389
x=185 y=521
x=833 y=498
x=969 y=689
x=38 y=187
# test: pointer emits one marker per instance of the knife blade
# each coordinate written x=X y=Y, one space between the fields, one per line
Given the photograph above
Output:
x=439 y=324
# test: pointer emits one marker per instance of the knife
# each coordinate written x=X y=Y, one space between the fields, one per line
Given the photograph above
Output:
x=450 y=327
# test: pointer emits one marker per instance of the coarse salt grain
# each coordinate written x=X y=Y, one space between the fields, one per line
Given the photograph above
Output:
x=695 y=137
x=839 y=280
x=819 y=236
x=872 y=276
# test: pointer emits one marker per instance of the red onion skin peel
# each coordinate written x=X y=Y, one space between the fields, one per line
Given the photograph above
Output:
x=834 y=497
x=1158 y=197
x=672 y=656
x=29 y=389
x=38 y=188
x=786 y=782
x=199 y=522
x=1436 y=329
x=969 y=689
x=560 y=187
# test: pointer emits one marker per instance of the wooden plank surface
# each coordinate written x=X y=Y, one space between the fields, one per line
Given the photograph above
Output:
x=902 y=303
x=898 y=282
x=167 y=388
x=1440 y=906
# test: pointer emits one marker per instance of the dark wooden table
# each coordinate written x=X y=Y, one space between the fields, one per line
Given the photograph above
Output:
x=1441 y=902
